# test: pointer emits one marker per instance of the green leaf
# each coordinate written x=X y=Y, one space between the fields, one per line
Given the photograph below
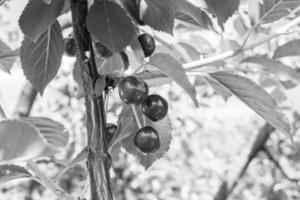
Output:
x=129 y=128
x=7 y=57
x=275 y=67
x=288 y=49
x=254 y=9
x=41 y=60
x=20 y=141
x=132 y=7
x=189 y=13
x=273 y=86
x=12 y=172
x=109 y=23
x=222 y=10
x=274 y=10
x=188 y=52
x=153 y=77
x=38 y=16
x=51 y=131
x=255 y=97
x=110 y=65
x=159 y=14
x=219 y=88
x=174 y=70
x=181 y=52
x=80 y=157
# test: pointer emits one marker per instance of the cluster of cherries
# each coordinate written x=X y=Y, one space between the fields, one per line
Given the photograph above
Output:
x=135 y=92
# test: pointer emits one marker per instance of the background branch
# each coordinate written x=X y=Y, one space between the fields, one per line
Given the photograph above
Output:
x=278 y=166
x=228 y=186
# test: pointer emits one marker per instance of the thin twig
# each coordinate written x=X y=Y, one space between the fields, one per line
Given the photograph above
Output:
x=44 y=180
x=278 y=166
x=228 y=54
x=258 y=145
x=2 y=113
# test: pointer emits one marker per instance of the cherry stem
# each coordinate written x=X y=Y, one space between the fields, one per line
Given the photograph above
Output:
x=144 y=120
x=136 y=116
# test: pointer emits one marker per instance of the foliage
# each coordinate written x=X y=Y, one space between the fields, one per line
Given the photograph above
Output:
x=259 y=79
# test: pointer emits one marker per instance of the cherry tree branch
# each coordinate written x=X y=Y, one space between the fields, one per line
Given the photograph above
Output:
x=228 y=185
x=98 y=159
x=228 y=54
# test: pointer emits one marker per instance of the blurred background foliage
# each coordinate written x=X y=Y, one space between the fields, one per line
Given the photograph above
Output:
x=209 y=144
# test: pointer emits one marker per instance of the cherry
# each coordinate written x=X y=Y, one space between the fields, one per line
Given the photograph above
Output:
x=132 y=90
x=147 y=140
x=70 y=46
x=155 y=107
x=103 y=50
x=110 y=131
x=148 y=44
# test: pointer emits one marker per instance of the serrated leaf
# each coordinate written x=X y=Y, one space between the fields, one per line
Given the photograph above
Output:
x=219 y=88
x=255 y=97
x=41 y=60
x=275 y=67
x=108 y=22
x=80 y=157
x=188 y=52
x=132 y=8
x=20 y=141
x=174 y=70
x=12 y=172
x=7 y=57
x=129 y=128
x=273 y=85
x=159 y=14
x=110 y=65
x=38 y=16
x=288 y=49
x=222 y=10
x=53 y=132
x=274 y=10
x=153 y=77
x=138 y=53
x=189 y=13
x=254 y=10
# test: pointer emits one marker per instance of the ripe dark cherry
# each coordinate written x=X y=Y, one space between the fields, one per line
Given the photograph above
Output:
x=148 y=44
x=70 y=46
x=147 y=140
x=103 y=50
x=133 y=90
x=155 y=107
x=110 y=131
